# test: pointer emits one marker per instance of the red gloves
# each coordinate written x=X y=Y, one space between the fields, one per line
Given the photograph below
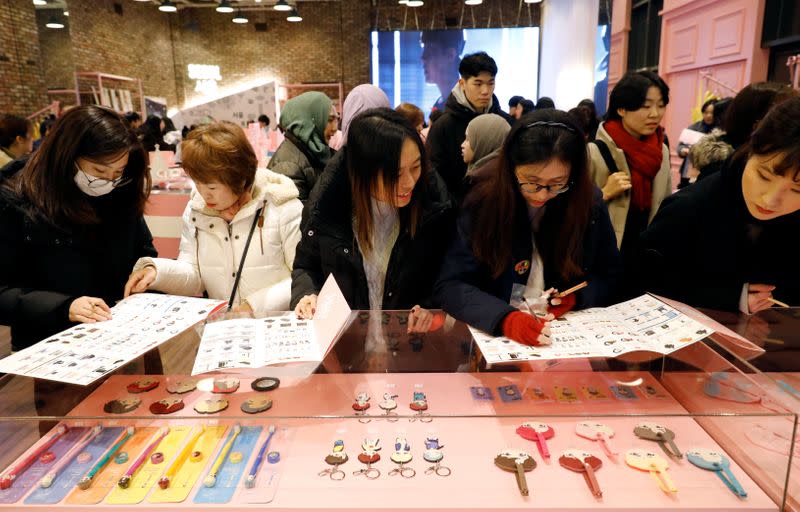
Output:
x=523 y=328
x=567 y=303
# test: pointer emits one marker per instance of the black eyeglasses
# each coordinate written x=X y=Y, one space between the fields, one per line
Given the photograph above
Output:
x=101 y=182
x=533 y=188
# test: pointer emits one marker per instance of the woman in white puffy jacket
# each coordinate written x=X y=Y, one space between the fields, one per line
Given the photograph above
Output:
x=230 y=199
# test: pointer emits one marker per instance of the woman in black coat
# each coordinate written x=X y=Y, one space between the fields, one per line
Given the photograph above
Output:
x=533 y=220
x=740 y=228
x=378 y=220
x=71 y=226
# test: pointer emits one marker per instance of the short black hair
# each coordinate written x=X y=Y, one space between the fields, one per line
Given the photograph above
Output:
x=545 y=102
x=527 y=106
x=712 y=101
x=444 y=38
x=476 y=63
x=132 y=116
x=514 y=101
x=630 y=93
x=263 y=119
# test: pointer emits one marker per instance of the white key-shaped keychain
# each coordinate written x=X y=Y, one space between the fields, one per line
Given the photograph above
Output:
x=715 y=461
x=538 y=433
x=660 y=434
x=600 y=433
x=586 y=463
x=657 y=467
x=516 y=461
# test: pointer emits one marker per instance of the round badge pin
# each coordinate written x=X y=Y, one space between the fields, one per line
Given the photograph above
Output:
x=265 y=384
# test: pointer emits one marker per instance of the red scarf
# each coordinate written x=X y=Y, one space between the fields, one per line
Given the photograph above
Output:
x=644 y=158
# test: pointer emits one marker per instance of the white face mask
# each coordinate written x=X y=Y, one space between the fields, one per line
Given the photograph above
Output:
x=94 y=187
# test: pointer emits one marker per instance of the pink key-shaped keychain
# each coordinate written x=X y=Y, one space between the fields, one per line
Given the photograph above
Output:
x=538 y=433
x=586 y=463
x=600 y=433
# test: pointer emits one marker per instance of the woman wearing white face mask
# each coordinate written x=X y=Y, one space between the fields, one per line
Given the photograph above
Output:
x=71 y=226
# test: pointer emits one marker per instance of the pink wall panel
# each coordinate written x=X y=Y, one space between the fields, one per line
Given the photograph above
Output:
x=727 y=32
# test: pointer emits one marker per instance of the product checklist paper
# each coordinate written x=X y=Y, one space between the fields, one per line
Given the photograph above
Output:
x=643 y=323
x=84 y=353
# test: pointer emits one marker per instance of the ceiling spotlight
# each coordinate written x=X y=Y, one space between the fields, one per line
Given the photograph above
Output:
x=294 y=16
x=473 y=2
x=533 y=1
x=53 y=23
x=240 y=17
x=39 y=2
x=167 y=6
x=282 y=5
x=415 y=3
x=402 y=2
x=224 y=6
x=66 y=13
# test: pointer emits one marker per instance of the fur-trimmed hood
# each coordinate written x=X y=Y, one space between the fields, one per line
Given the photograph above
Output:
x=709 y=150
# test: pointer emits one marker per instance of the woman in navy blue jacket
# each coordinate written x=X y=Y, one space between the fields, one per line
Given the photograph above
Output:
x=532 y=218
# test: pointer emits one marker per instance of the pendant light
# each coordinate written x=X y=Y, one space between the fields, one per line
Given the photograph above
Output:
x=282 y=5
x=167 y=6
x=240 y=17
x=225 y=7
x=473 y=2
x=294 y=16
x=53 y=23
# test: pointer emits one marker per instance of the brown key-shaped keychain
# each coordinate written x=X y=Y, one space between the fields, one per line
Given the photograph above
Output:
x=517 y=462
x=660 y=434
x=586 y=463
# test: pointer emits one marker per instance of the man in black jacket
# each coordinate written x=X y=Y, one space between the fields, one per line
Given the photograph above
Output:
x=472 y=96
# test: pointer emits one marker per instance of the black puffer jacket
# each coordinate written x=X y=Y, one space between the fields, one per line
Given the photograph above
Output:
x=43 y=268
x=292 y=159
x=328 y=245
x=727 y=247
x=445 y=139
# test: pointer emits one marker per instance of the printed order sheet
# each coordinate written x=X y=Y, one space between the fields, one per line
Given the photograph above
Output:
x=84 y=353
x=643 y=323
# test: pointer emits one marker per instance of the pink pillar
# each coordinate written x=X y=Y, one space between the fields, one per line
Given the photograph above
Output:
x=618 y=54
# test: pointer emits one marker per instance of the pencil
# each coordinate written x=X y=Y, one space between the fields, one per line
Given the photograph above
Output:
x=163 y=482
x=86 y=481
x=779 y=303
x=573 y=289
x=50 y=477
x=211 y=479
x=251 y=478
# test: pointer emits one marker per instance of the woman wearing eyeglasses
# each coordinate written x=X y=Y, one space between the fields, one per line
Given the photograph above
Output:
x=71 y=226
x=532 y=222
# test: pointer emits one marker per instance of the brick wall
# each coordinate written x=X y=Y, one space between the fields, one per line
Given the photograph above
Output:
x=22 y=89
x=137 y=43
x=58 y=66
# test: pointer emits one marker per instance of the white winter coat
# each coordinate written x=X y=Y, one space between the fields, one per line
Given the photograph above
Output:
x=211 y=248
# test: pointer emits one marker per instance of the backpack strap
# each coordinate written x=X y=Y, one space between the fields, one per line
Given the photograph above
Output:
x=606 y=154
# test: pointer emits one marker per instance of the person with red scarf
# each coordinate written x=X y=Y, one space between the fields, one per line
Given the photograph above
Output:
x=630 y=162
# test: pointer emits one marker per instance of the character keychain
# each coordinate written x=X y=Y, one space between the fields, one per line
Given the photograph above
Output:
x=402 y=456
x=712 y=460
x=655 y=465
x=538 y=433
x=600 y=433
x=433 y=454
x=420 y=405
x=389 y=405
x=661 y=434
x=586 y=463
x=360 y=405
x=336 y=458
x=369 y=455
x=519 y=462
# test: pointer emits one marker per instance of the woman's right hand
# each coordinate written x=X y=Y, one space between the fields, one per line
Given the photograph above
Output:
x=526 y=329
x=89 y=310
x=140 y=281
x=306 y=308
x=616 y=185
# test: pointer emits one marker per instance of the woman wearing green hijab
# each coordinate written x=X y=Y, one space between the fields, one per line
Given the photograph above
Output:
x=308 y=122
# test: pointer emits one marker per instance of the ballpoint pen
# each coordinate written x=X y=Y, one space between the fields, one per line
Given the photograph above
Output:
x=160 y=434
x=251 y=478
x=176 y=465
x=211 y=479
x=50 y=477
x=8 y=478
x=86 y=481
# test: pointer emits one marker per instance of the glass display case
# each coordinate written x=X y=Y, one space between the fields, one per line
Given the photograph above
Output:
x=398 y=421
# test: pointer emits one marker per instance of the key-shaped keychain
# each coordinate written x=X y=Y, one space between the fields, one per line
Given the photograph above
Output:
x=718 y=463
x=600 y=433
x=336 y=458
x=660 y=434
x=586 y=463
x=519 y=462
x=538 y=433
x=655 y=465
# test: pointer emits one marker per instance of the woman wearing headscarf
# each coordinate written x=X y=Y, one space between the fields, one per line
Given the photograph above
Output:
x=308 y=122
x=485 y=136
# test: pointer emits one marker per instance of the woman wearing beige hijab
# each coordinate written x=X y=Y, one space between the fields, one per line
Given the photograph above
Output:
x=485 y=136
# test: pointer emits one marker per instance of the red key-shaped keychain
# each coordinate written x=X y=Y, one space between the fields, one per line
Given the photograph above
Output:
x=538 y=433
x=586 y=463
